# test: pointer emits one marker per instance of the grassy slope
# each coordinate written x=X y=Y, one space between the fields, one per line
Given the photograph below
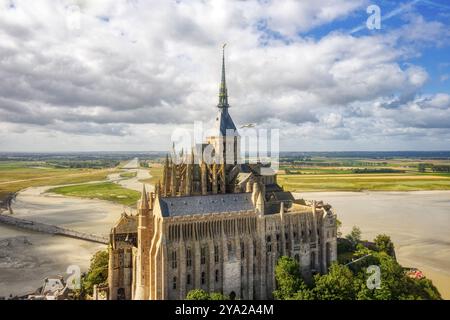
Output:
x=105 y=191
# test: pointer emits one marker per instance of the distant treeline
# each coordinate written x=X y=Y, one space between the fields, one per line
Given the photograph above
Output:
x=91 y=164
x=441 y=168
x=77 y=156
x=349 y=163
x=355 y=171
x=421 y=167
x=381 y=170
x=438 y=155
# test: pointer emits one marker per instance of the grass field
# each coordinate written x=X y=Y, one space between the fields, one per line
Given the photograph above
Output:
x=17 y=175
x=156 y=172
x=128 y=175
x=104 y=191
x=360 y=182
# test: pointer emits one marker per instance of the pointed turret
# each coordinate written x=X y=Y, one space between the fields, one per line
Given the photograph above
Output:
x=143 y=203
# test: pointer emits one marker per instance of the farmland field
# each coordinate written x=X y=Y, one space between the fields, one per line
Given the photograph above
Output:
x=350 y=174
x=375 y=182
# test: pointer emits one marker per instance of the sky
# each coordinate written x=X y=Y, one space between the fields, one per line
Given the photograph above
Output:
x=123 y=75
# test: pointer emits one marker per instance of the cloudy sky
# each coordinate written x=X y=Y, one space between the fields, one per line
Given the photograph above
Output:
x=122 y=75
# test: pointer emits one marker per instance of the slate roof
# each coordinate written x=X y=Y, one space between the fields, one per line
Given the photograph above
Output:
x=224 y=122
x=216 y=203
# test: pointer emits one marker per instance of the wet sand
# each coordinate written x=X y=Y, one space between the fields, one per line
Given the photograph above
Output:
x=418 y=223
x=26 y=257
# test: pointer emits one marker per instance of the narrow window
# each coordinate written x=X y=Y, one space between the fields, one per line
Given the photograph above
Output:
x=216 y=254
x=203 y=255
x=217 y=275
x=188 y=279
x=174 y=259
x=188 y=258
x=174 y=285
x=203 y=278
x=242 y=250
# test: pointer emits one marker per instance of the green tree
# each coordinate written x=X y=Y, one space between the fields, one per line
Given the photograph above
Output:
x=354 y=236
x=289 y=281
x=383 y=243
x=98 y=271
x=197 y=294
x=337 y=284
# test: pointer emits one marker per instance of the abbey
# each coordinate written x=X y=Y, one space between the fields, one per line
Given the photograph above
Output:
x=216 y=226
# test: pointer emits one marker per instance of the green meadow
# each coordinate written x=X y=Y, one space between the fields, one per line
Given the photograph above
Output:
x=128 y=175
x=104 y=191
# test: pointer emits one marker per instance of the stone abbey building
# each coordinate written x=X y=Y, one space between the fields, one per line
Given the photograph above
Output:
x=220 y=227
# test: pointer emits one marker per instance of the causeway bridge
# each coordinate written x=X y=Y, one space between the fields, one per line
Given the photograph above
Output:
x=51 y=229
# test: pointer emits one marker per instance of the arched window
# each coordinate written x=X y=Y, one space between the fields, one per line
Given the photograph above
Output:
x=174 y=259
x=217 y=275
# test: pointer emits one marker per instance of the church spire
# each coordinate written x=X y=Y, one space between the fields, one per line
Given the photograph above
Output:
x=223 y=93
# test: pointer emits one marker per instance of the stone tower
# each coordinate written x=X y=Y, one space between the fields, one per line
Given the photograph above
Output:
x=226 y=140
x=144 y=237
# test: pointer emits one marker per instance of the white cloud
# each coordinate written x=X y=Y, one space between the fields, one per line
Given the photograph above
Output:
x=134 y=70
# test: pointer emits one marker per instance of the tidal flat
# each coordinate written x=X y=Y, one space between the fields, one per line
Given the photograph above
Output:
x=418 y=222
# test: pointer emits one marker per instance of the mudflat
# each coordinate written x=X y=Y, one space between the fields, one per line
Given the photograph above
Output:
x=26 y=257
